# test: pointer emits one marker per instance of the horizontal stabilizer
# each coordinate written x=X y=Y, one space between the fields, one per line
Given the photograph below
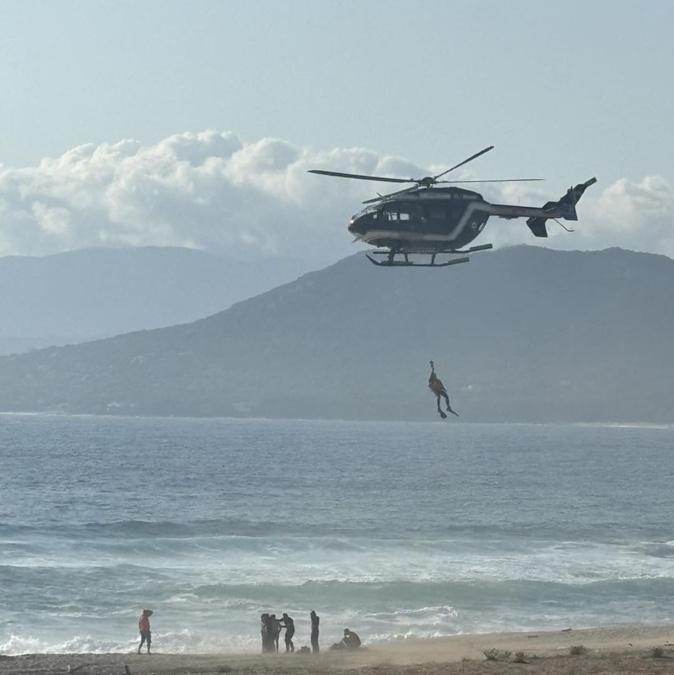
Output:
x=537 y=226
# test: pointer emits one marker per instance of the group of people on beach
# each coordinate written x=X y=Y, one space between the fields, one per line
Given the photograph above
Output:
x=270 y=631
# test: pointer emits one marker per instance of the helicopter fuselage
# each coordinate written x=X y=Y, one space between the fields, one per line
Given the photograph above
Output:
x=423 y=219
x=432 y=219
x=441 y=220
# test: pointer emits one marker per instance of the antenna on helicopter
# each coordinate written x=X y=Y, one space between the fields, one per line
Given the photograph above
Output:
x=564 y=227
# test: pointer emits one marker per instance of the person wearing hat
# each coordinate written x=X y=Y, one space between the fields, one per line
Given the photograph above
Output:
x=144 y=628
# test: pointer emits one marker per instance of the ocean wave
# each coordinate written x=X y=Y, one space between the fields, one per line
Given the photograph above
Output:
x=140 y=528
x=173 y=642
x=334 y=534
x=293 y=561
x=226 y=617
x=659 y=549
x=78 y=644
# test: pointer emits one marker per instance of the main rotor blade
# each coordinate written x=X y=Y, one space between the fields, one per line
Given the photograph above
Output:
x=465 y=161
x=390 y=194
x=496 y=180
x=361 y=177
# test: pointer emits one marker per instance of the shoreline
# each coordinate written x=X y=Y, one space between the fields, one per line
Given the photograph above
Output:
x=621 y=648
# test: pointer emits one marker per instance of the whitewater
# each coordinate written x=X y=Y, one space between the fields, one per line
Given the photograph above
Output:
x=391 y=529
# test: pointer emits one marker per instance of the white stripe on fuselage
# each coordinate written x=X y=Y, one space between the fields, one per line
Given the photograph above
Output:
x=418 y=236
x=406 y=236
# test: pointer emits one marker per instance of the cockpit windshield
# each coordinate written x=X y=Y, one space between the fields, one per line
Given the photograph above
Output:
x=374 y=208
x=392 y=211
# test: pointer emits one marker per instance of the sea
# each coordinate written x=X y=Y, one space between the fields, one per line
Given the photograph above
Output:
x=392 y=529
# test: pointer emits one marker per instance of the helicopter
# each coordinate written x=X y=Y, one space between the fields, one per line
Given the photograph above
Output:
x=438 y=222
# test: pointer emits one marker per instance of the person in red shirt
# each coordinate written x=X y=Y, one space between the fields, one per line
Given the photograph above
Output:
x=144 y=628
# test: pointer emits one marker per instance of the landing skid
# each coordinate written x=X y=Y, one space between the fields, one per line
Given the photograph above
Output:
x=389 y=257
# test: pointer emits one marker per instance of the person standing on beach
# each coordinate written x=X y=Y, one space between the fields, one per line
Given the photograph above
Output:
x=289 y=624
x=264 y=632
x=144 y=628
x=315 y=619
x=275 y=631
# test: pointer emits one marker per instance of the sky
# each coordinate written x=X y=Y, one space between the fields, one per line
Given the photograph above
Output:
x=193 y=123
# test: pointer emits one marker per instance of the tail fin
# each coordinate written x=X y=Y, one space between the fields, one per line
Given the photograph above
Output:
x=564 y=208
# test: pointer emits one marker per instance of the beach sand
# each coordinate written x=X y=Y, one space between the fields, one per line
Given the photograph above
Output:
x=619 y=649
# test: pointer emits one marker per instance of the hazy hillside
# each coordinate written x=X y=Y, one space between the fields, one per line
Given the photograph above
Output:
x=517 y=334
x=93 y=293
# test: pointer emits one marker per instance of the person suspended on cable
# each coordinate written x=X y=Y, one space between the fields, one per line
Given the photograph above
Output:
x=436 y=386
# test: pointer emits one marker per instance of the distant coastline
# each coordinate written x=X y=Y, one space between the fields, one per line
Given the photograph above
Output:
x=522 y=334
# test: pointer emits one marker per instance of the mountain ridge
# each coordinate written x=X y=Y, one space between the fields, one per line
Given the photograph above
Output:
x=81 y=295
x=519 y=334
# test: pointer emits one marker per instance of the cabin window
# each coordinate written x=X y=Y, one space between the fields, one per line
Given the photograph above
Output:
x=400 y=212
x=389 y=214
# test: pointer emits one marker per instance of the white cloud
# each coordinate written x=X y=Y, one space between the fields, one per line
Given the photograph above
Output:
x=210 y=190
x=639 y=214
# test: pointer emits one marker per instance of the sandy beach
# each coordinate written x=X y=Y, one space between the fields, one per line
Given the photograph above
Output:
x=619 y=649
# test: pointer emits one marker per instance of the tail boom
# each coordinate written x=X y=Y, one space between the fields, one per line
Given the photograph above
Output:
x=537 y=217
